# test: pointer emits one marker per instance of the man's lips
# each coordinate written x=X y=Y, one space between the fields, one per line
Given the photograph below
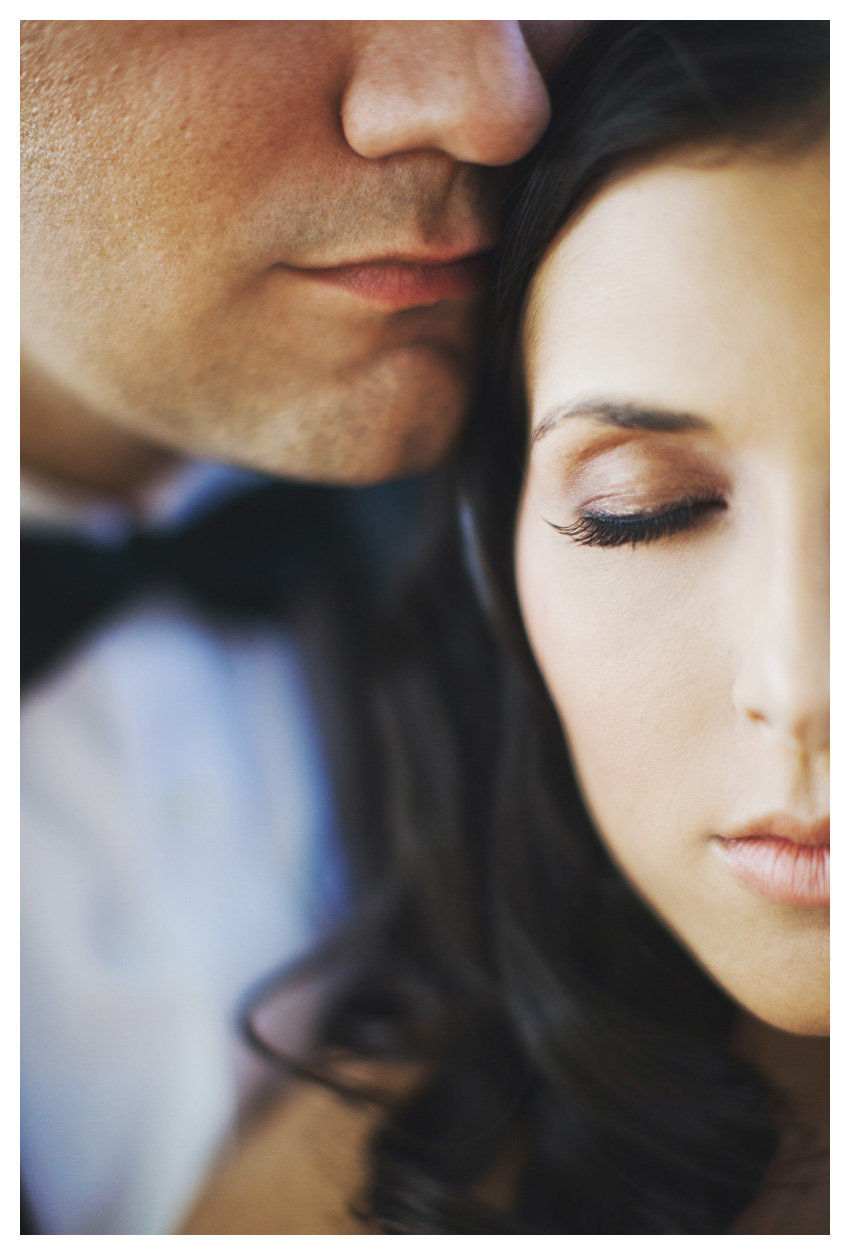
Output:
x=403 y=283
x=782 y=858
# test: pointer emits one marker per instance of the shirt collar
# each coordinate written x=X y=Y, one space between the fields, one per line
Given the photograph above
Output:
x=170 y=501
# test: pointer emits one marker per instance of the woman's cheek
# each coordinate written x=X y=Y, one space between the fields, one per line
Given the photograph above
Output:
x=623 y=639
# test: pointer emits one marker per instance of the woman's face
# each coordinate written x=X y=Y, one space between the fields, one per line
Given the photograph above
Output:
x=672 y=552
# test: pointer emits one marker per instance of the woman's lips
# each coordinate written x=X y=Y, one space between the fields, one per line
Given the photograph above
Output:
x=782 y=859
x=399 y=284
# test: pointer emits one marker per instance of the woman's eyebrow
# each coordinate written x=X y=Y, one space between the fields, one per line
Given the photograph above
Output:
x=620 y=414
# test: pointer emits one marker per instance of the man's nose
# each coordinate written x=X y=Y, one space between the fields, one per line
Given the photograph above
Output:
x=469 y=89
x=782 y=683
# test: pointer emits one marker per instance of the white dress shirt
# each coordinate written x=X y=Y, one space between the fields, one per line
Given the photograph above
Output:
x=177 y=845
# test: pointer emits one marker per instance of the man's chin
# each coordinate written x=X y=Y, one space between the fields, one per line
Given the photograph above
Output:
x=401 y=417
x=396 y=414
x=361 y=456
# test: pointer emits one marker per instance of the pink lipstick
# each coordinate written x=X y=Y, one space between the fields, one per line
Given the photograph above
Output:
x=781 y=858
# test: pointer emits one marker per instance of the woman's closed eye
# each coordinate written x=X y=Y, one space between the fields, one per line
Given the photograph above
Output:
x=607 y=530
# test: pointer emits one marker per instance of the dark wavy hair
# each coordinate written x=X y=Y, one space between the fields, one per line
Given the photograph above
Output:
x=561 y=1028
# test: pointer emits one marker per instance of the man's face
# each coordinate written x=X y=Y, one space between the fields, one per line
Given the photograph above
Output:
x=242 y=239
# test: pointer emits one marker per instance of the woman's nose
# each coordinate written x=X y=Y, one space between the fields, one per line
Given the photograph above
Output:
x=469 y=89
x=783 y=677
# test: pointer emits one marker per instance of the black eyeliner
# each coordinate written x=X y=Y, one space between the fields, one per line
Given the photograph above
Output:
x=613 y=530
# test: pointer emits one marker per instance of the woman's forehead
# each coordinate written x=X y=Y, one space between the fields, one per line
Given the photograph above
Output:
x=701 y=281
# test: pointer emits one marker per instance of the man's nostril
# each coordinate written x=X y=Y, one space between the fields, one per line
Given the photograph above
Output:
x=478 y=97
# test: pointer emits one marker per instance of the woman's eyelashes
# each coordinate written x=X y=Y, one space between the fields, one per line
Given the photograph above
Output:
x=610 y=530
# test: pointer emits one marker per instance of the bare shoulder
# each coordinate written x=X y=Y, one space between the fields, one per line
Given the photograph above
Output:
x=301 y=1167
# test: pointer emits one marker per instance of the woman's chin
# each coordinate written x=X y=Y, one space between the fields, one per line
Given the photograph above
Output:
x=806 y=1017
x=813 y=1025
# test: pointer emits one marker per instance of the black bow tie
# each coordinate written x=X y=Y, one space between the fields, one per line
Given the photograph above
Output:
x=252 y=556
